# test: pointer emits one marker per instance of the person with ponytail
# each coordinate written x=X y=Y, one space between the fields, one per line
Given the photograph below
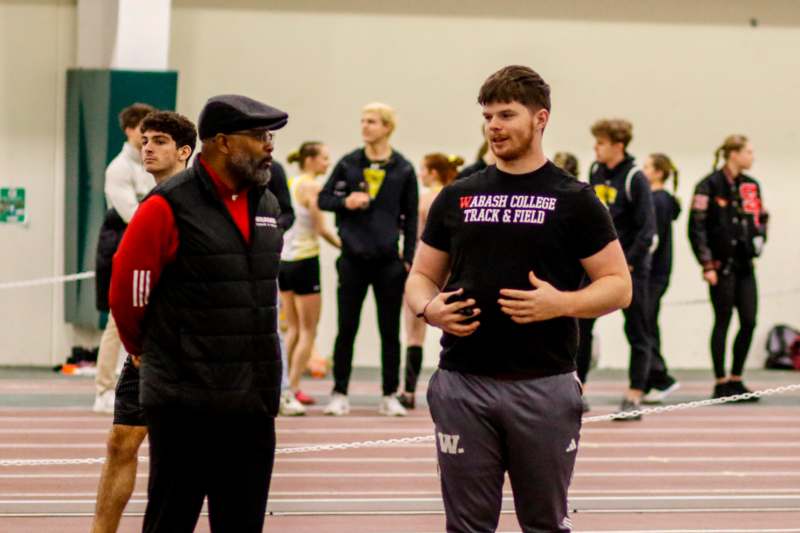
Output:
x=299 y=279
x=659 y=168
x=727 y=230
x=436 y=172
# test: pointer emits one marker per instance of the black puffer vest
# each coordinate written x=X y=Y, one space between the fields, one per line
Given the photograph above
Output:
x=210 y=337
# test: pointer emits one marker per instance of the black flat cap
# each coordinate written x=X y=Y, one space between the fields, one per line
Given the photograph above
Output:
x=227 y=113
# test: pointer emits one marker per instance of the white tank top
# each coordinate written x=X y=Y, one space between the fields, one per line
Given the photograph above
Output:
x=301 y=241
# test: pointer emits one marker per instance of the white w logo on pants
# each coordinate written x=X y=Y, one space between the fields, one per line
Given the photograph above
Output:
x=449 y=444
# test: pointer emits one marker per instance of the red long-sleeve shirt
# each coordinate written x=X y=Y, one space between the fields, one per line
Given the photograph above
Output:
x=150 y=243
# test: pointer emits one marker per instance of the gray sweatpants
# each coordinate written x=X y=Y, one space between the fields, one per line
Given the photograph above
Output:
x=486 y=427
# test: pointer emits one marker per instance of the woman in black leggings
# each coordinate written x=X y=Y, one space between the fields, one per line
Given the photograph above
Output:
x=727 y=230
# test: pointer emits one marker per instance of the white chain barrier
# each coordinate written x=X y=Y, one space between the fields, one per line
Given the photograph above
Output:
x=91 y=274
x=388 y=443
x=46 y=281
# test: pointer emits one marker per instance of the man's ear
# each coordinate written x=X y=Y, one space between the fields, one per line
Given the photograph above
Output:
x=223 y=143
x=184 y=153
x=540 y=119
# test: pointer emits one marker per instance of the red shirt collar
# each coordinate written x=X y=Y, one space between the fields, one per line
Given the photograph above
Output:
x=222 y=188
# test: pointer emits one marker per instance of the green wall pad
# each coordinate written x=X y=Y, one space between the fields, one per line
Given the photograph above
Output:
x=93 y=139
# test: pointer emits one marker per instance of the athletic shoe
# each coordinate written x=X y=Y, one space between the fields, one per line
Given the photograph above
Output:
x=657 y=395
x=585 y=404
x=289 y=405
x=104 y=403
x=304 y=398
x=721 y=390
x=390 y=406
x=737 y=387
x=406 y=399
x=338 y=406
x=627 y=407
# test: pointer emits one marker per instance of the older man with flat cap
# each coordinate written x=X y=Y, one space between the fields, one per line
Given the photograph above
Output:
x=194 y=292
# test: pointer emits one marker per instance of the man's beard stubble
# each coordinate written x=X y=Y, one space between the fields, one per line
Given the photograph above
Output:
x=518 y=152
x=246 y=169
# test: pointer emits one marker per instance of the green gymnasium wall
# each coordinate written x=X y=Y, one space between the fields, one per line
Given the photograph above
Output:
x=93 y=138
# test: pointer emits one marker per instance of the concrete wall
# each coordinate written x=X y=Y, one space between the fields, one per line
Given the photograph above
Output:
x=37 y=45
x=686 y=73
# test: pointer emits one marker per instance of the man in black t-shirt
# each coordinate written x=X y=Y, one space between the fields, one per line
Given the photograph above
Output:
x=498 y=269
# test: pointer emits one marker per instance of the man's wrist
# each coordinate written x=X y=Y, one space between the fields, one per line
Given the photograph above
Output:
x=421 y=314
x=568 y=303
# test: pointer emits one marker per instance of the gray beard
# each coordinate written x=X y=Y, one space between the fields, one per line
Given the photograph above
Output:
x=247 y=170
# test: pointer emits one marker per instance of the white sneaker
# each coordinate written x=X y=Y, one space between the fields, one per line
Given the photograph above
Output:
x=390 y=406
x=104 y=403
x=289 y=405
x=338 y=406
x=659 y=395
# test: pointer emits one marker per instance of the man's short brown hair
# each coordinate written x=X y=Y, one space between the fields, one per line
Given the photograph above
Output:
x=132 y=116
x=180 y=128
x=516 y=83
x=617 y=130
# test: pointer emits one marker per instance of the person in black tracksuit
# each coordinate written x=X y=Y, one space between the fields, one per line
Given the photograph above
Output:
x=626 y=192
x=727 y=229
x=373 y=191
x=659 y=168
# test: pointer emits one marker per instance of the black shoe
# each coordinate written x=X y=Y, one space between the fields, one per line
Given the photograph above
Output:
x=737 y=387
x=406 y=399
x=586 y=407
x=721 y=390
x=627 y=407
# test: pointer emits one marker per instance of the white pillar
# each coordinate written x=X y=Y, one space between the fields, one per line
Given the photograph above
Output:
x=124 y=34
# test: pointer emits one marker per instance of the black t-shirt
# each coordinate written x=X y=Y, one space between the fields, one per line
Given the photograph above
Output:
x=496 y=227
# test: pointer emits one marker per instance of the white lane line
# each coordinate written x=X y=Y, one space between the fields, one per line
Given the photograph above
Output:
x=787 y=444
x=399 y=475
x=649 y=459
x=304 y=500
x=731 y=473
x=59 y=446
x=719 y=417
x=766 y=493
x=726 y=530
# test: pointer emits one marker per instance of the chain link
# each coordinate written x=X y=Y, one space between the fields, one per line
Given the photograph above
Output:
x=387 y=443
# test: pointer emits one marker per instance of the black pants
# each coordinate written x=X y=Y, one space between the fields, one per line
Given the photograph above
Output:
x=739 y=290
x=387 y=277
x=226 y=458
x=659 y=377
x=637 y=331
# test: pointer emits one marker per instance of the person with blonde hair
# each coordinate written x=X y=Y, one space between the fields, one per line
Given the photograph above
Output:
x=437 y=171
x=299 y=278
x=373 y=191
x=727 y=230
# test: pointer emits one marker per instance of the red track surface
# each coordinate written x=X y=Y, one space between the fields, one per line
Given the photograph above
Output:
x=720 y=469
